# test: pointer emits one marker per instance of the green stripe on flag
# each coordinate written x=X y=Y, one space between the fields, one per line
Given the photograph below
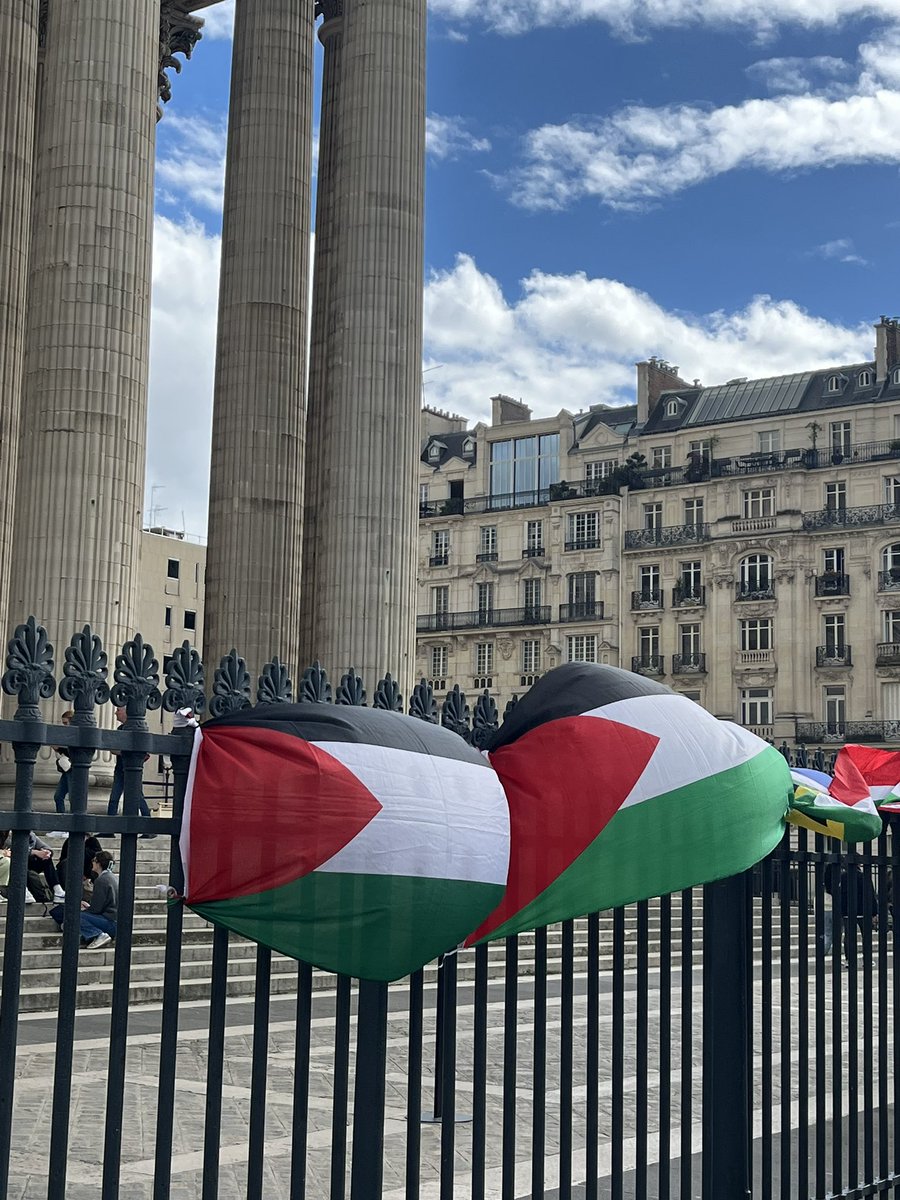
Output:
x=705 y=831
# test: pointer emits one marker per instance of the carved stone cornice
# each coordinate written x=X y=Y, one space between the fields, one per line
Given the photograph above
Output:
x=179 y=33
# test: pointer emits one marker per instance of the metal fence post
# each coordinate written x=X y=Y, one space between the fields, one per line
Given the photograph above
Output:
x=727 y=1039
x=367 y=1168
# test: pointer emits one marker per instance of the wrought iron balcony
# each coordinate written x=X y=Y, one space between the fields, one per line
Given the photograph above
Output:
x=684 y=596
x=887 y=654
x=648 y=664
x=833 y=656
x=848 y=518
x=535 y=614
x=666 y=535
x=689 y=664
x=833 y=584
x=533 y=552
x=487 y=556
x=439 y=560
x=591 y=543
x=847 y=731
x=586 y=610
x=889 y=581
x=755 y=591
x=646 y=598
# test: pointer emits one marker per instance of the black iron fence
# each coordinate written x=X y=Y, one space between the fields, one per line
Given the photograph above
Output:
x=709 y=1044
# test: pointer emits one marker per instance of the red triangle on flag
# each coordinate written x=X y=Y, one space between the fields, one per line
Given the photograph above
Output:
x=564 y=782
x=267 y=808
x=847 y=783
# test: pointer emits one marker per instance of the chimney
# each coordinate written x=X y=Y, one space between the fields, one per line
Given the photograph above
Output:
x=653 y=378
x=887 y=347
x=505 y=410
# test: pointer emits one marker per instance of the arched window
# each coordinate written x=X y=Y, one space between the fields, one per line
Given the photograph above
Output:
x=864 y=379
x=889 y=576
x=834 y=383
x=895 y=377
x=757 y=574
x=672 y=408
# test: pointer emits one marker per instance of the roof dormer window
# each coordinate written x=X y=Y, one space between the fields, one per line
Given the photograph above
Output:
x=864 y=379
x=469 y=447
x=834 y=384
x=895 y=377
x=434 y=452
x=672 y=407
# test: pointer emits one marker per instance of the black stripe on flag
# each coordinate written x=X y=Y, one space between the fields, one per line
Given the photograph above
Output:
x=346 y=723
x=568 y=691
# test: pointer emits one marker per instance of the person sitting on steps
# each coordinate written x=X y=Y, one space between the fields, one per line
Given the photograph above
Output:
x=98 y=918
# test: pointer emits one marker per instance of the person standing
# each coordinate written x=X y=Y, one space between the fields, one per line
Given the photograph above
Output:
x=98 y=917
x=64 y=766
x=118 y=783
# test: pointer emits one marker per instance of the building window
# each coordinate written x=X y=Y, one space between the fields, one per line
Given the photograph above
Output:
x=672 y=408
x=834 y=383
x=434 y=452
x=835 y=634
x=653 y=516
x=582 y=648
x=757 y=634
x=690 y=578
x=168 y=617
x=649 y=581
x=594 y=472
x=582 y=528
x=768 y=441
x=439 y=657
x=835 y=709
x=895 y=376
x=835 y=496
x=693 y=512
x=661 y=457
x=524 y=467
x=833 y=560
x=841 y=442
x=756 y=706
x=167 y=666
x=891 y=621
x=864 y=379
x=484 y=598
x=892 y=490
x=173 y=570
x=423 y=493
x=531 y=656
x=890 y=558
x=484 y=658
x=759 y=502
x=190 y=620
x=700 y=451
x=488 y=539
x=583 y=588
x=440 y=600
x=532 y=594
x=648 y=643
x=440 y=545
x=756 y=574
x=690 y=642
x=534 y=535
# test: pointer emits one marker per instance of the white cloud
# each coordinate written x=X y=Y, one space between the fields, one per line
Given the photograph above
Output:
x=218 y=20
x=786 y=75
x=449 y=137
x=840 y=250
x=191 y=161
x=567 y=341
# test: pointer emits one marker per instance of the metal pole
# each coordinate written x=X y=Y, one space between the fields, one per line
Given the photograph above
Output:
x=367 y=1170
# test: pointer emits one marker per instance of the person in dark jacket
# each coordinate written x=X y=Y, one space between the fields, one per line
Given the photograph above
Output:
x=98 y=918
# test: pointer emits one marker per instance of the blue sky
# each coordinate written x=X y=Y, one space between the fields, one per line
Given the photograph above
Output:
x=713 y=181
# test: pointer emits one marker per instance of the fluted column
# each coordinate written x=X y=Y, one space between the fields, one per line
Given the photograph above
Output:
x=361 y=583
x=256 y=479
x=84 y=408
x=19 y=39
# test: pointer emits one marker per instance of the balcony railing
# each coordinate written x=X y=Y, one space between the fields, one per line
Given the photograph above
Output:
x=848 y=518
x=832 y=584
x=755 y=591
x=587 y=543
x=646 y=598
x=486 y=556
x=887 y=654
x=753 y=524
x=689 y=664
x=533 y=552
x=847 y=731
x=754 y=658
x=833 y=656
x=439 y=560
x=481 y=618
x=586 y=610
x=666 y=535
x=648 y=664
x=889 y=581
x=684 y=596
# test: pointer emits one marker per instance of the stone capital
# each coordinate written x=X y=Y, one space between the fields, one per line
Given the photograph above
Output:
x=330 y=9
x=179 y=33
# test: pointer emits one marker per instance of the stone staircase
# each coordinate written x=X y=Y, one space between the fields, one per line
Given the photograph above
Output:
x=42 y=943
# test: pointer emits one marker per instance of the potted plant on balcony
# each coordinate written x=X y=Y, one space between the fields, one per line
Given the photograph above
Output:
x=811 y=456
x=562 y=491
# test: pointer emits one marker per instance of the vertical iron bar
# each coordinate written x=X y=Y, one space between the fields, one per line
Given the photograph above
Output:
x=539 y=1065
x=868 y=915
x=479 y=1072
x=300 y=1115
x=686 y=1181
x=510 y=1048
x=617 y=1123
x=215 y=1064
x=821 y=1064
x=259 y=1074
x=448 y=1079
x=785 y=1009
x=852 y=1030
x=414 y=1084
x=802 y=1013
x=641 y=1051
x=592 y=1062
x=765 y=876
x=439 y=1042
x=367 y=1170
x=566 y=1058
x=894 y=825
x=837 y=1033
x=885 y=1017
x=341 y=1089
x=665 y=1047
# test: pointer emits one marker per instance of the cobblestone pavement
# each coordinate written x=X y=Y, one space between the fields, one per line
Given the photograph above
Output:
x=35 y=1073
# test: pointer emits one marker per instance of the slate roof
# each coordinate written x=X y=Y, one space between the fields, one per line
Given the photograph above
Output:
x=451 y=447
x=619 y=419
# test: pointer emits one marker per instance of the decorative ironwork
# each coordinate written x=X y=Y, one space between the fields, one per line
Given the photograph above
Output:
x=749 y=591
x=29 y=669
x=666 y=535
x=422 y=704
x=833 y=584
x=275 y=685
x=646 y=599
x=688 y=597
x=231 y=686
x=888 y=581
x=315 y=686
x=534 y=552
x=439 y=560
x=388 y=696
x=847 y=731
x=844 y=518
x=136 y=687
x=689 y=664
x=648 y=664
x=833 y=656
x=84 y=675
x=485 y=721
x=351 y=690
x=584 y=610
x=487 y=556
x=179 y=33
x=455 y=713
x=531 y=614
x=589 y=543
x=511 y=706
x=184 y=681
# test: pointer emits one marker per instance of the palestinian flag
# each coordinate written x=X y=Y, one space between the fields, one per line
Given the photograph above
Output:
x=361 y=841
x=620 y=790
x=879 y=769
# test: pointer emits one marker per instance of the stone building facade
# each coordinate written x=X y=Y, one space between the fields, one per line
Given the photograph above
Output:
x=741 y=543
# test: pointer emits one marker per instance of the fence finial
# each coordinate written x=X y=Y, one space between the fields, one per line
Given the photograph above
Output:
x=29 y=669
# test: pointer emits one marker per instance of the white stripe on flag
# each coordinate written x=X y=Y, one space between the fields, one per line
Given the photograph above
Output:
x=184 y=842
x=441 y=818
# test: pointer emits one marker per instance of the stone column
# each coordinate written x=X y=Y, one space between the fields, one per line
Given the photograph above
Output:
x=19 y=37
x=256 y=480
x=84 y=408
x=361 y=582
